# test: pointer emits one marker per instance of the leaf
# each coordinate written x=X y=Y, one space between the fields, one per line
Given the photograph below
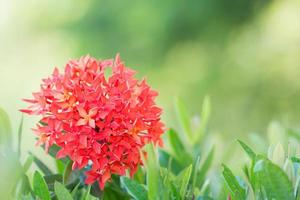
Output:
x=61 y=192
x=184 y=118
x=67 y=172
x=293 y=133
x=20 y=136
x=5 y=129
x=248 y=150
x=295 y=159
x=274 y=181
x=40 y=187
x=51 y=179
x=178 y=148
x=28 y=163
x=236 y=190
x=204 y=168
x=154 y=181
x=134 y=189
x=183 y=179
x=205 y=114
x=41 y=165
x=53 y=151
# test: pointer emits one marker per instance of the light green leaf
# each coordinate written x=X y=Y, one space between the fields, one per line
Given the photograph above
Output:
x=5 y=129
x=61 y=192
x=183 y=179
x=205 y=114
x=134 y=189
x=274 y=181
x=184 y=118
x=248 y=150
x=204 y=168
x=154 y=180
x=237 y=192
x=40 y=187
x=20 y=136
x=28 y=163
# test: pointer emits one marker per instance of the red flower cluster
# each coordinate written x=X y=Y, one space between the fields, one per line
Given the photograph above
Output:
x=97 y=120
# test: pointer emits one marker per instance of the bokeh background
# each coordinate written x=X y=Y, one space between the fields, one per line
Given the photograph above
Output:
x=244 y=54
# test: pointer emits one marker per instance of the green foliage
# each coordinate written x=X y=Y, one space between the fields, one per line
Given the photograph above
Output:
x=40 y=187
x=61 y=192
x=134 y=189
x=177 y=172
x=236 y=189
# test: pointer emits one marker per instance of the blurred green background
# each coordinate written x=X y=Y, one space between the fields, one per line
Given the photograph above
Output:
x=244 y=54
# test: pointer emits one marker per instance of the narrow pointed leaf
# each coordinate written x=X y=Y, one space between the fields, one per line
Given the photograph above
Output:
x=40 y=187
x=41 y=165
x=205 y=114
x=237 y=192
x=134 y=189
x=184 y=118
x=61 y=192
x=248 y=150
x=20 y=136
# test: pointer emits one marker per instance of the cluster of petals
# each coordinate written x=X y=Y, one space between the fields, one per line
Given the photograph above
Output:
x=99 y=120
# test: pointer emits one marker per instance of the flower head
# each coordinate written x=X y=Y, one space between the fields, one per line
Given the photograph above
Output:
x=97 y=120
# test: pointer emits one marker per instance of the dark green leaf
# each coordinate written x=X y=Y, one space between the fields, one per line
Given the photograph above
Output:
x=295 y=159
x=67 y=172
x=178 y=148
x=40 y=187
x=237 y=192
x=248 y=150
x=41 y=165
x=61 y=192
x=136 y=190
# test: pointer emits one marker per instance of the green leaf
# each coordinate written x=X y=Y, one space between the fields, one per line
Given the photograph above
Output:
x=183 y=179
x=67 y=172
x=41 y=165
x=53 y=151
x=61 y=192
x=40 y=187
x=236 y=190
x=60 y=166
x=248 y=150
x=204 y=168
x=178 y=149
x=295 y=159
x=184 y=118
x=293 y=133
x=5 y=129
x=28 y=163
x=154 y=181
x=134 y=189
x=20 y=136
x=51 y=179
x=205 y=114
x=274 y=181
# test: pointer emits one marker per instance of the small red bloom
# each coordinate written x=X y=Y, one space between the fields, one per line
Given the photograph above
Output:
x=95 y=120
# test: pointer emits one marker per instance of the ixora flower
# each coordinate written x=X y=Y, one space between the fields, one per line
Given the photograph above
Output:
x=99 y=122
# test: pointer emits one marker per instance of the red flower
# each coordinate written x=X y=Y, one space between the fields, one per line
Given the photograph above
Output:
x=95 y=120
